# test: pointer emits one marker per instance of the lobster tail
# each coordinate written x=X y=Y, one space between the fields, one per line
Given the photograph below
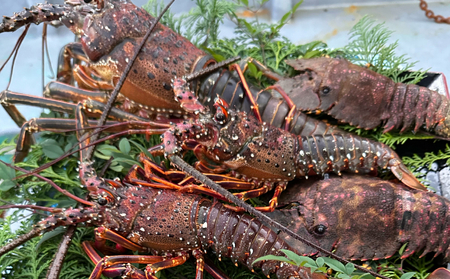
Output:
x=423 y=221
x=410 y=103
x=336 y=152
x=244 y=240
x=36 y=14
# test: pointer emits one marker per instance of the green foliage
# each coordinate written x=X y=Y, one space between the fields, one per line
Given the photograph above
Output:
x=31 y=260
x=201 y=25
x=369 y=46
x=429 y=158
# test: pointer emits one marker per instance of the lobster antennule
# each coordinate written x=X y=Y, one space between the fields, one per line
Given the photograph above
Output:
x=65 y=218
x=36 y=14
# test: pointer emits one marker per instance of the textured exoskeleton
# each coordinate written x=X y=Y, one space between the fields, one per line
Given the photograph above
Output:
x=364 y=98
x=362 y=218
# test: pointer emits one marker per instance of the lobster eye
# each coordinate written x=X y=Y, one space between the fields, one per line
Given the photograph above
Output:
x=320 y=229
x=87 y=1
x=220 y=116
x=326 y=90
x=102 y=201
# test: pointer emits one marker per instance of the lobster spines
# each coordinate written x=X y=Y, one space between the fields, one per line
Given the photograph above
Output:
x=244 y=239
x=364 y=98
x=412 y=104
x=363 y=218
x=36 y=14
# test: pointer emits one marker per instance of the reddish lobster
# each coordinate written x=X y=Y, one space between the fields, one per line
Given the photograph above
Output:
x=169 y=224
x=363 y=218
x=110 y=33
x=364 y=98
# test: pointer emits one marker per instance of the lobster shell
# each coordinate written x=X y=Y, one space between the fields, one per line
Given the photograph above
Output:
x=364 y=98
x=362 y=218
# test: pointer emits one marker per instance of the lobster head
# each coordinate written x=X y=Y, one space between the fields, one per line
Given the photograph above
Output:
x=312 y=88
x=362 y=218
x=102 y=25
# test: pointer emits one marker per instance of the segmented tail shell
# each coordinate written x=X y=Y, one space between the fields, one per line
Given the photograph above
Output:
x=338 y=152
x=245 y=239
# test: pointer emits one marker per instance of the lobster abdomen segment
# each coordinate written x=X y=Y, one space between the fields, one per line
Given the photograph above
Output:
x=244 y=239
x=338 y=152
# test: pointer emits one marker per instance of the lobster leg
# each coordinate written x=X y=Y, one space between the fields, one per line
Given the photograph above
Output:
x=65 y=92
x=82 y=75
x=68 y=52
x=118 y=270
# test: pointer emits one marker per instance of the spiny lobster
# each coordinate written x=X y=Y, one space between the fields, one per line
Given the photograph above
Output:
x=137 y=214
x=110 y=33
x=364 y=98
x=361 y=218
x=258 y=152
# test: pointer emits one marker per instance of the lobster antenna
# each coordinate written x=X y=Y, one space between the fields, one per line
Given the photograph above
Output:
x=14 y=52
x=53 y=184
x=45 y=53
x=119 y=84
x=175 y=159
x=21 y=240
x=211 y=68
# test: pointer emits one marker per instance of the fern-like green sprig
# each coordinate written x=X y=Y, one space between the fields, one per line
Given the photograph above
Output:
x=369 y=47
x=428 y=159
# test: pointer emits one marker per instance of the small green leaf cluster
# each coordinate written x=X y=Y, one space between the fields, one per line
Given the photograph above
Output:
x=32 y=259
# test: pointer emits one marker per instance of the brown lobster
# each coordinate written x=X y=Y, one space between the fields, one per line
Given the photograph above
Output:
x=110 y=33
x=137 y=214
x=364 y=98
x=360 y=217
x=265 y=155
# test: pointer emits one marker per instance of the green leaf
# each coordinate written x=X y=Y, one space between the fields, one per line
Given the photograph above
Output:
x=312 y=53
x=6 y=184
x=124 y=146
x=320 y=262
x=349 y=267
x=335 y=264
x=273 y=258
x=107 y=149
x=6 y=172
x=402 y=249
x=51 y=149
x=116 y=168
x=126 y=160
x=299 y=260
x=407 y=275
x=49 y=235
x=245 y=2
x=294 y=9
x=144 y=150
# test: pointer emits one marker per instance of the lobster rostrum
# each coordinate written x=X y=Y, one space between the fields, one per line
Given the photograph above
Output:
x=361 y=218
x=168 y=223
x=364 y=98
x=258 y=152
x=110 y=32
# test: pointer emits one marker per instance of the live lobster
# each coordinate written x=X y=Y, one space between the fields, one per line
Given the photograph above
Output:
x=172 y=225
x=364 y=98
x=147 y=91
x=361 y=217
